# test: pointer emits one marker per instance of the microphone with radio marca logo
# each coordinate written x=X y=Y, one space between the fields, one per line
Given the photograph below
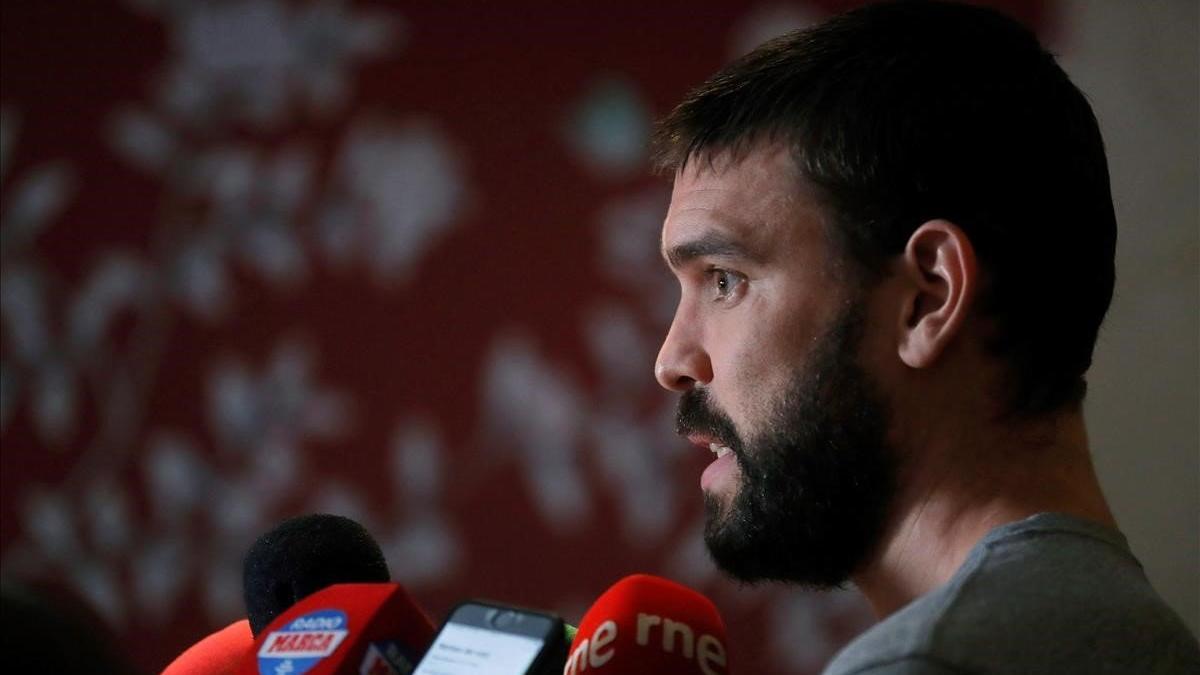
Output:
x=358 y=629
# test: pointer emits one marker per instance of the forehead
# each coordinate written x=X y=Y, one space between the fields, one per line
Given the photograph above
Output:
x=759 y=198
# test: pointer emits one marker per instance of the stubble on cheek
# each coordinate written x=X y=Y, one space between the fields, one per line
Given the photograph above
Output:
x=755 y=386
x=776 y=339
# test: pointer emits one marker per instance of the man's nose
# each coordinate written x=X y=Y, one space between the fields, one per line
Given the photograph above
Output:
x=682 y=362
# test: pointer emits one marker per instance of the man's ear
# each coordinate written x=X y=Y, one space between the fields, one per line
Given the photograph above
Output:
x=942 y=279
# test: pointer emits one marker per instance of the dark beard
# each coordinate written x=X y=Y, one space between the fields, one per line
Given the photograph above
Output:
x=816 y=481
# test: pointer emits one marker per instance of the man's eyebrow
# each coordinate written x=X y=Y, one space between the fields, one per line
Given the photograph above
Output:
x=708 y=244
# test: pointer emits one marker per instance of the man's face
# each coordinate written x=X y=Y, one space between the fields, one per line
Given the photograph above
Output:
x=764 y=350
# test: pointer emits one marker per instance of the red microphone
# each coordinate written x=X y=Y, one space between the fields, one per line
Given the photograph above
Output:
x=647 y=625
x=358 y=629
x=221 y=653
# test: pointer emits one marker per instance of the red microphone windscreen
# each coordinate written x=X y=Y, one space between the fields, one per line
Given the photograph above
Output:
x=344 y=628
x=647 y=625
x=221 y=653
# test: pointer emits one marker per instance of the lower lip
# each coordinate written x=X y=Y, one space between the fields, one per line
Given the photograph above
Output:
x=718 y=472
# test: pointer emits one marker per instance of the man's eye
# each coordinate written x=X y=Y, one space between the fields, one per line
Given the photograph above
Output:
x=725 y=284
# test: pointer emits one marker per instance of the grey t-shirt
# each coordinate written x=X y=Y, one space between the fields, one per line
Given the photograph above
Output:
x=1048 y=594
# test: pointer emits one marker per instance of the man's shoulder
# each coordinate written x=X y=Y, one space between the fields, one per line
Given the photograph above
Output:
x=907 y=641
x=1049 y=595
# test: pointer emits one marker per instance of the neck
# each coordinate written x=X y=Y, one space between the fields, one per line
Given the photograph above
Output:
x=960 y=488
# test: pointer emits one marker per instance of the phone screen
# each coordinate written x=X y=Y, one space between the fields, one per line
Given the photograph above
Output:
x=485 y=639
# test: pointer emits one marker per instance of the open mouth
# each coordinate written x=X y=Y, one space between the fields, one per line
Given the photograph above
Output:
x=718 y=447
x=718 y=473
x=719 y=450
x=724 y=458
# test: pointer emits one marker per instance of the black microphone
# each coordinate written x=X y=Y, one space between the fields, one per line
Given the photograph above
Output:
x=303 y=555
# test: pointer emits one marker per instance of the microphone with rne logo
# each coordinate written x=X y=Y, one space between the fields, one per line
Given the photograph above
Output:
x=351 y=629
x=647 y=625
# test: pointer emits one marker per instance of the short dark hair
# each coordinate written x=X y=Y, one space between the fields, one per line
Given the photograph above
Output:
x=900 y=113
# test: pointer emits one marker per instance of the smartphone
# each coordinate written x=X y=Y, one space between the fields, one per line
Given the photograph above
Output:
x=482 y=638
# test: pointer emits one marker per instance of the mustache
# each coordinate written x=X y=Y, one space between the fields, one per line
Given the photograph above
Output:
x=697 y=415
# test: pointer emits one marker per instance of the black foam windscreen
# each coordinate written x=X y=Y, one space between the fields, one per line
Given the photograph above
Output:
x=303 y=555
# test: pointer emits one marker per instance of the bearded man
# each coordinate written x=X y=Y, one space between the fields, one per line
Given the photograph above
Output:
x=894 y=236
